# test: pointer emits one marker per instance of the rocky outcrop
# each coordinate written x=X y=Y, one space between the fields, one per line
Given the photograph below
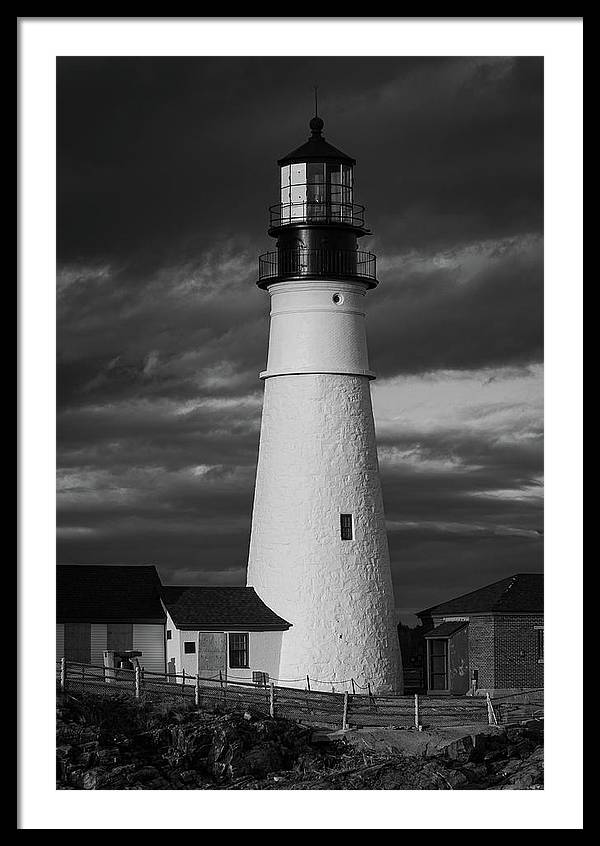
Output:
x=112 y=743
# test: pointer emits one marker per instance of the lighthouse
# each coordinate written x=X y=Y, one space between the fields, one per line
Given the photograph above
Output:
x=318 y=549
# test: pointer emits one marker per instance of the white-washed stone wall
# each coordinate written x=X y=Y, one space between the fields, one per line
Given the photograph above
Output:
x=318 y=459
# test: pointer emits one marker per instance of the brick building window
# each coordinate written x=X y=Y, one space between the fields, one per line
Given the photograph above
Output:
x=539 y=631
x=189 y=647
x=238 y=651
x=346 y=526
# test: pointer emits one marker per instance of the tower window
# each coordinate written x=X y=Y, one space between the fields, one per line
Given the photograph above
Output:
x=169 y=634
x=346 y=526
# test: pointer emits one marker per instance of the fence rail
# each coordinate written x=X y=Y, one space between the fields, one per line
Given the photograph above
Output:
x=317 y=708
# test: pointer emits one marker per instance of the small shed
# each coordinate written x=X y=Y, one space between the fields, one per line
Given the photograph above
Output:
x=104 y=607
x=227 y=631
x=491 y=639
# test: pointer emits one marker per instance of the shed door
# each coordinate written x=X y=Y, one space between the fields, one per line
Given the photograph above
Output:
x=78 y=638
x=212 y=654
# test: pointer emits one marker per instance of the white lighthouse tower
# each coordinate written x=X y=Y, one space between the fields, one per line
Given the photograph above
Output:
x=318 y=550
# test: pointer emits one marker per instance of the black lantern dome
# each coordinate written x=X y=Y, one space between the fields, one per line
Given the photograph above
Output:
x=316 y=223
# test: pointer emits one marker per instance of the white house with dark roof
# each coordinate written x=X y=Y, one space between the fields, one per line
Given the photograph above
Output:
x=197 y=629
x=115 y=608
x=221 y=630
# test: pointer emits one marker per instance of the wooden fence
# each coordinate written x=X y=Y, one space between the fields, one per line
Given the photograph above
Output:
x=320 y=709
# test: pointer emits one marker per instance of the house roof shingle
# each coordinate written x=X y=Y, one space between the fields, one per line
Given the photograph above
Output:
x=519 y=594
x=201 y=607
x=97 y=593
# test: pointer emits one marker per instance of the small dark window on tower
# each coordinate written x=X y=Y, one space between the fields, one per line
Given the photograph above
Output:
x=346 y=526
x=169 y=634
x=189 y=647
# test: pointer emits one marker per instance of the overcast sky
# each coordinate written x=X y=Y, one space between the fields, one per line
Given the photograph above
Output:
x=166 y=168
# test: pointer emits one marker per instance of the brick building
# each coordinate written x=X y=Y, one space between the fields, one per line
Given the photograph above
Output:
x=491 y=639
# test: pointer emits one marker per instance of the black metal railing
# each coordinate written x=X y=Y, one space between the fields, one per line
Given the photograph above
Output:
x=285 y=214
x=294 y=263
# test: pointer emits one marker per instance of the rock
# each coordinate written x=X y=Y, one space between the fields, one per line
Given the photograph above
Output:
x=491 y=757
x=537 y=754
x=93 y=778
x=144 y=774
x=259 y=761
x=108 y=756
x=460 y=749
x=86 y=759
x=475 y=772
x=455 y=778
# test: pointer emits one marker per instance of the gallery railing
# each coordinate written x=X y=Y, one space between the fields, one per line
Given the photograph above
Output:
x=283 y=214
x=323 y=263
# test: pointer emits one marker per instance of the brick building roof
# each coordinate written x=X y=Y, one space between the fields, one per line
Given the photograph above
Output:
x=98 y=593
x=519 y=594
x=204 y=607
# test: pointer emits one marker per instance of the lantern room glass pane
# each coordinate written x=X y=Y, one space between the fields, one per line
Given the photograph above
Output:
x=298 y=191
x=334 y=176
x=316 y=191
x=285 y=194
x=298 y=173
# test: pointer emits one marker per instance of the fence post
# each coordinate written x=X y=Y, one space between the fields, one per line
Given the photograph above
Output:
x=272 y=700
x=183 y=681
x=417 y=721
x=491 y=713
x=197 y=691
x=353 y=688
x=137 y=682
x=63 y=673
x=345 y=714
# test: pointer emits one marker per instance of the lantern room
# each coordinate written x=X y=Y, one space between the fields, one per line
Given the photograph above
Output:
x=316 y=222
x=316 y=185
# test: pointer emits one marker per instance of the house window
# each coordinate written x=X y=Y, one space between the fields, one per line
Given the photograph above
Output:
x=346 y=526
x=169 y=634
x=540 y=644
x=189 y=647
x=238 y=651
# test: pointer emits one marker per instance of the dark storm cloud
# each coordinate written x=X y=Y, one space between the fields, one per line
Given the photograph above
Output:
x=156 y=151
x=445 y=318
x=166 y=168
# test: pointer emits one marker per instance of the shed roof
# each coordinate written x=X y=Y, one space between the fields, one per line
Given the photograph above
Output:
x=202 y=607
x=446 y=629
x=95 y=593
x=518 y=594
